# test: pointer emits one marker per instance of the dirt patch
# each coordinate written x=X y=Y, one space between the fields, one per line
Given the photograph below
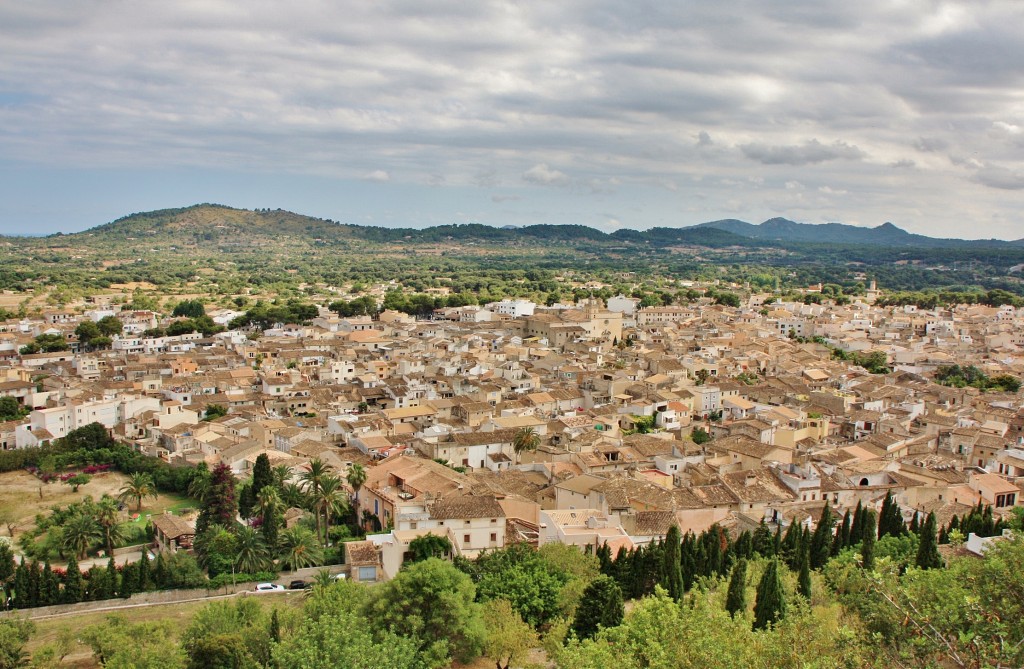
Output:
x=23 y=496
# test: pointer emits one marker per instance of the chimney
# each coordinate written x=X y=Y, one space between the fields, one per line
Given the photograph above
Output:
x=750 y=480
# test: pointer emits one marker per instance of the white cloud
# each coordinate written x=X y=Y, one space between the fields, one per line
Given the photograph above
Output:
x=542 y=175
x=377 y=175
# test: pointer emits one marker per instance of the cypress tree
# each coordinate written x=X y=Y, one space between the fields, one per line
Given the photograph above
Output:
x=770 y=605
x=689 y=562
x=821 y=541
x=49 y=587
x=857 y=528
x=790 y=544
x=269 y=530
x=21 y=586
x=671 y=572
x=600 y=606
x=35 y=575
x=72 y=593
x=804 y=579
x=604 y=560
x=744 y=546
x=736 y=598
x=275 y=625
x=160 y=572
x=927 y=549
x=144 y=578
x=867 y=545
x=842 y=538
x=890 y=520
x=763 y=544
x=113 y=582
x=915 y=527
x=129 y=580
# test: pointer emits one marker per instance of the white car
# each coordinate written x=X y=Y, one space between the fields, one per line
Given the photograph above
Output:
x=340 y=577
x=269 y=587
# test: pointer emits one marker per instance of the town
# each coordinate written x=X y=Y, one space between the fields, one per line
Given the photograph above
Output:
x=586 y=424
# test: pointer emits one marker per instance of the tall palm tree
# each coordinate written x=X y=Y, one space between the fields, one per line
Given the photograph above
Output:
x=138 y=487
x=108 y=517
x=356 y=478
x=525 y=439
x=311 y=480
x=332 y=500
x=300 y=549
x=79 y=533
x=253 y=555
x=293 y=495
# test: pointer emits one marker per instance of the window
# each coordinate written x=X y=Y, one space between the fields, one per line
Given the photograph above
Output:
x=465 y=539
x=494 y=537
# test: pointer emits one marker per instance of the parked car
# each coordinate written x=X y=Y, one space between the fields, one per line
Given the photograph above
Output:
x=341 y=577
x=269 y=587
x=298 y=584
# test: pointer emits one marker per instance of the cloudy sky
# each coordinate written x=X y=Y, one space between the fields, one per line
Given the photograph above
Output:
x=604 y=113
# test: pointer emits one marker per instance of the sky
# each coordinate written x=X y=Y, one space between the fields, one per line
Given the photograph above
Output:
x=609 y=114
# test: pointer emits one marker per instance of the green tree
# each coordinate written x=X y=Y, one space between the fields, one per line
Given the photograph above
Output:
x=770 y=603
x=72 y=592
x=219 y=506
x=600 y=607
x=342 y=639
x=138 y=487
x=14 y=634
x=300 y=549
x=270 y=511
x=508 y=639
x=79 y=533
x=429 y=546
x=189 y=309
x=110 y=326
x=928 y=549
x=252 y=555
x=671 y=569
x=433 y=603
x=736 y=597
x=214 y=411
x=525 y=439
x=700 y=436
x=867 y=544
x=356 y=477
x=803 y=581
x=821 y=540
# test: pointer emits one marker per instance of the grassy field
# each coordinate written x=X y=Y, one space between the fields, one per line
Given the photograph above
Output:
x=22 y=496
x=47 y=631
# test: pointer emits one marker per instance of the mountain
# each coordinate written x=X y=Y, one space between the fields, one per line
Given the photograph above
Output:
x=212 y=223
x=887 y=234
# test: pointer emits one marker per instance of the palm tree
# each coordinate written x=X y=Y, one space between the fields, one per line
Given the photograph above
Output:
x=79 y=533
x=525 y=439
x=108 y=517
x=356 y=478
x=253 y=555
x=138 y=487
x=331 y=501
x=292 y=495
x=300 y=549
x=312 y=479
x=282 y=474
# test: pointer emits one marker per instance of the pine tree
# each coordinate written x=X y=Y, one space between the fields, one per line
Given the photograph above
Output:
x=736 y=598
x=72 y=593
x=867 y=544
x=804 y=579
x=671 y=573
x=770 y=604
x=821 y=541
x=927 y=549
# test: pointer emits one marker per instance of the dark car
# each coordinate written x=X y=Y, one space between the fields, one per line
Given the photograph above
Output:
x=297 y=585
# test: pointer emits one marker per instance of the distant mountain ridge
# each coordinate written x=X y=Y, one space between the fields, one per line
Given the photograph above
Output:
x=212 y=220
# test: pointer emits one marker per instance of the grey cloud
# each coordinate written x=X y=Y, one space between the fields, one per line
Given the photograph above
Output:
x=930 y=144
x=995 y=176
x=808 y=153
